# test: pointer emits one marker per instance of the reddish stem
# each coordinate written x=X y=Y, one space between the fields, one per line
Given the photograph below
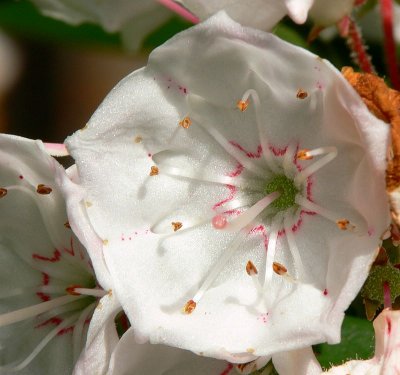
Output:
x=179 y=9
x=356 y=44
x=390 y=44
x=387 y=300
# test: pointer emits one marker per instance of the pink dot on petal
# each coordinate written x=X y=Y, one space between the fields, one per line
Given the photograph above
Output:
x=219 y=221
x=325 y=292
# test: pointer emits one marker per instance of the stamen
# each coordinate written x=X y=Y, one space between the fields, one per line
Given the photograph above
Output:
x=138 y=139
x=272 y=241
x=250 y=214
x=219 y=221
x=253 y=273
x=242 y=105
x=176 y=225
x=343 y=224
x=305 y=173
x=3 y=192
x=215 y=271
x=186 y=122
x=77 y=291
x=231 y=150
x=154 y=171
x=294 y=250
x=251 y=268
x=200 y=175
x=189 y=307
x=77 y=335
x=43 y=189
x=304 y=154
x=288 y=165
x=301 y=94
x=281 y=270
x=40 y=346
x=261 y=128
x=31 y=311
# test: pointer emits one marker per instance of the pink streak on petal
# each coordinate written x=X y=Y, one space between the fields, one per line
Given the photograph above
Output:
x=56 y=149
x=386 y=295
x=178 y=9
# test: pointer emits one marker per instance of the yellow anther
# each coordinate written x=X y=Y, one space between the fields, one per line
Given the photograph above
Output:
x=176 y=225
x=251 y=268
x=279 y=269
x=186 y=122
x=154 y=171
x=301 y=94
x=303 y=154
x=189 y=307
x=242 y=105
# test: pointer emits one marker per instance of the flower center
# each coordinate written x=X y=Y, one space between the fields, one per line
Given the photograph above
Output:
x=287 y=189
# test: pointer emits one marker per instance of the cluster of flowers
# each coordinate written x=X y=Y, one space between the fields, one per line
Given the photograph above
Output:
x=225 y=207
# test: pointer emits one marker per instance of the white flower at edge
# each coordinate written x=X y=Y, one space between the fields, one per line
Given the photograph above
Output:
x=134 y=18
x=48 y=290
x=265 y=14
x=240 y=179
x=387 y=349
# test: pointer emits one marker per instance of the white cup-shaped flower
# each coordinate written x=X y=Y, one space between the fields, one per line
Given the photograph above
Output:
x=387 y=349
x=48 y=290
x=265 y=14
x=134 y=18
x=238 y=184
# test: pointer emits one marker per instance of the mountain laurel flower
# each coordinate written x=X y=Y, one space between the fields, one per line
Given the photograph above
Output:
x=48 y=290
x=387 y=349
x=238 y=184
x=133 y=18
x=265 y=14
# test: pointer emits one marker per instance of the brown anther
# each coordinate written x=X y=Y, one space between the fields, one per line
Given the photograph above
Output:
x=279 y=269
x=43 y=189
x=176 y=225
x=66 y=225
x=71 y=290
x=3 y=192
x=138 y=139
x=251 y=269
x=189 y=307
x=242 y=105
x=301 y=94
x=303 y=155
x=343 y=224
x=154 y=171
x=186 y=122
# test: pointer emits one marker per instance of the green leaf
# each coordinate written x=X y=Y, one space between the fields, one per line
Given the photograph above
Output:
x=357 y=343
x=290 y=35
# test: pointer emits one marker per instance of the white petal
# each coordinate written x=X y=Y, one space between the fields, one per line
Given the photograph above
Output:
x=102 y=338
x=155 y=270
x=79 y=222
x=326 y=12
x=300 y=361
x=261 y=14
x=130 y=357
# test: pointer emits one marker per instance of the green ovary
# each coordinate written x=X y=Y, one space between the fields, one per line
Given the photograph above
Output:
x=288 y=191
